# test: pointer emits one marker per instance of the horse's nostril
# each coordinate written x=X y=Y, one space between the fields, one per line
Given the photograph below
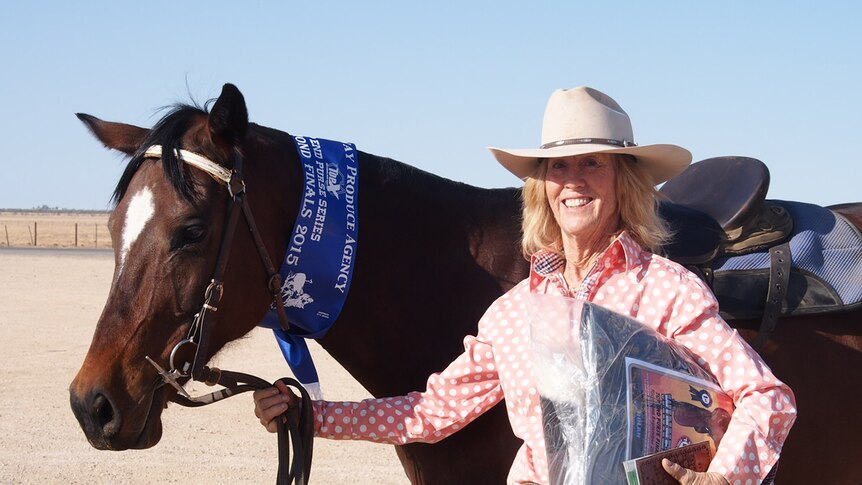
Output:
x=104 y=413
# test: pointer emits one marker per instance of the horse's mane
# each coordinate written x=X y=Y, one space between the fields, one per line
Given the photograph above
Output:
x=170 y=129
x=168 y=133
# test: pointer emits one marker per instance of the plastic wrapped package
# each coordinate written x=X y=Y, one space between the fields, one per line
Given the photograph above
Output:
x=613 y=389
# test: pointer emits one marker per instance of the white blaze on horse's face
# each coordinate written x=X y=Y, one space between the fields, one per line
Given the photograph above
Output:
x=140 y=210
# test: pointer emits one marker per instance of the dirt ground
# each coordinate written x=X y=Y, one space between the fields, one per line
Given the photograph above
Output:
x=50 y=301
x=54 y=229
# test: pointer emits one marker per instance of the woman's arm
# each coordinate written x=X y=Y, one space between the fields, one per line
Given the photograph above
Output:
x=765 y=406
x=453 y=398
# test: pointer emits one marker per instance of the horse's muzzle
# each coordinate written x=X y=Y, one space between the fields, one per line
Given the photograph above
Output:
x=102 y=422
x=97 y=416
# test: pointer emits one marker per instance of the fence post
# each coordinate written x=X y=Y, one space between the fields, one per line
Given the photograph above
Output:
x=7 y=234
x=76 y=234
x=35 y=234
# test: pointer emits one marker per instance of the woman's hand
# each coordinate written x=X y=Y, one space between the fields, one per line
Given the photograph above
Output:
x=272 y=402
x=691 y=477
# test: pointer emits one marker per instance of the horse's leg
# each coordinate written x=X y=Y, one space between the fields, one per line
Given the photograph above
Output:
x=820 y=358
x=481 y=453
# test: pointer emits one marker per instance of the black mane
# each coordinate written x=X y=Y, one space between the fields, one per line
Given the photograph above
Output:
x=168 y=133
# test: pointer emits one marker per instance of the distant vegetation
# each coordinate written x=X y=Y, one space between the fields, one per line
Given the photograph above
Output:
x=44 y=209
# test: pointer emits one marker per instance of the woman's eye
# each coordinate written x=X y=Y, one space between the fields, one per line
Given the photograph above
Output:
x=590 y=164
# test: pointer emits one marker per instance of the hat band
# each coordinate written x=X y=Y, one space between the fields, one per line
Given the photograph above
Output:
x=581 y=141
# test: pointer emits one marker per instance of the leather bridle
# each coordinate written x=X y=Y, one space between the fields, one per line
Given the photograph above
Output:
x=296 y=427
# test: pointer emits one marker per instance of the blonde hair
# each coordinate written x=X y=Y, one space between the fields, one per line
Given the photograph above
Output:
x=637 y=200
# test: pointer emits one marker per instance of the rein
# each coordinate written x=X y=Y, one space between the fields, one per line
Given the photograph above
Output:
x=296 y=425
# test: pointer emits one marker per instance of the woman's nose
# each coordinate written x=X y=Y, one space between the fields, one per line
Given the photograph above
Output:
x=574 y=177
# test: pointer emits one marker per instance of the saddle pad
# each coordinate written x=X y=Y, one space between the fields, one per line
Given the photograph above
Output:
x=822 y=243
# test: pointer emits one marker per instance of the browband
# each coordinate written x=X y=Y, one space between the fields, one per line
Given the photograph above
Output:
x=599 y=141
x=215 y=170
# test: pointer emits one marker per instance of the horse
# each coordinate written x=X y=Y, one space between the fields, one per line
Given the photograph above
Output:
x=433 y=254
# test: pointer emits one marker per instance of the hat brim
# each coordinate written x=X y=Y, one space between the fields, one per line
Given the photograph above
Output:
x=662 y=162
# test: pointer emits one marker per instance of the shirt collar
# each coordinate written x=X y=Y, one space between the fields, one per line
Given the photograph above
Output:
x=545 y=263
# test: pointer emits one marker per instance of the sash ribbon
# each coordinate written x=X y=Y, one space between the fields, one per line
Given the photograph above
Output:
x=318 y=266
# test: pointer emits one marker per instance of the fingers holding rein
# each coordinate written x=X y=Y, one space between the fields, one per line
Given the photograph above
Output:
x=272 y=402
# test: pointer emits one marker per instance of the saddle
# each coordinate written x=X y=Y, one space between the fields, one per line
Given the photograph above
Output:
x=719 y=216
x=718 y=207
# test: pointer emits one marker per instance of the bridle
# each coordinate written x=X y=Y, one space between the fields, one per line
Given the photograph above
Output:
x=199 y=332
x=299 y=428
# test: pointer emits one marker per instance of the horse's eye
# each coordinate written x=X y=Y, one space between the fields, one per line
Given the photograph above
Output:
x=194 y=233
x=191 y=234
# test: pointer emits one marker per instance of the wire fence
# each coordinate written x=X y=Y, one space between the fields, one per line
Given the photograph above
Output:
x=55 y=231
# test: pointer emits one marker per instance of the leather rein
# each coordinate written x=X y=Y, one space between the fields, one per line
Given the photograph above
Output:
x=296 y=425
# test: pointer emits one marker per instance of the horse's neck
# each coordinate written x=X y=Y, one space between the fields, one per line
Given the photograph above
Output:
x=432 y=255
x=432 y=214
x=278 y=174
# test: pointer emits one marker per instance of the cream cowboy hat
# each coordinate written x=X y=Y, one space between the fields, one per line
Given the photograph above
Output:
x=584 y=120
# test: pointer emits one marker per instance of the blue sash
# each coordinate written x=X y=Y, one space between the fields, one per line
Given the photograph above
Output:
x=318 y=266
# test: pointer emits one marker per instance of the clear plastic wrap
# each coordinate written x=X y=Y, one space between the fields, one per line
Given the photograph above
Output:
x=587 y=362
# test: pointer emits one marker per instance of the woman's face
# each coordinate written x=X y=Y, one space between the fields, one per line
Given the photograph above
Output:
x=582 y=193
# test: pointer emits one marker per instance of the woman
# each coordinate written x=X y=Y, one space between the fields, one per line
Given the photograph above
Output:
x=590 y=228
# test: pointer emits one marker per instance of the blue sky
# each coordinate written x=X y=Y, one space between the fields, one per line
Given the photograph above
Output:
x=433 y=84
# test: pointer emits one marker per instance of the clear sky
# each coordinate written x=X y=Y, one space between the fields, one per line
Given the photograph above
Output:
x=433 y=84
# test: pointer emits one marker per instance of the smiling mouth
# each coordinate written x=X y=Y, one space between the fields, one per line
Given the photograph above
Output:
x=577 y=202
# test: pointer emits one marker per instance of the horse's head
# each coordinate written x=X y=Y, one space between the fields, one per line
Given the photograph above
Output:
x=166 y=229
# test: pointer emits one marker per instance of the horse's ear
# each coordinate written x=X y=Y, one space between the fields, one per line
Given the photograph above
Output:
x=228 y=120
x=117 y=136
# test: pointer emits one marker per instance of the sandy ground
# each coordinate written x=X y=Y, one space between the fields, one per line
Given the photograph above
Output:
x=50 y=301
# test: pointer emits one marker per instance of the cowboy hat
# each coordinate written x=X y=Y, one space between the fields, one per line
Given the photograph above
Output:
x=583 y=120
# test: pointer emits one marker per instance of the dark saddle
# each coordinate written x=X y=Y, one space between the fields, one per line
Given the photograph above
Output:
x=717 y=208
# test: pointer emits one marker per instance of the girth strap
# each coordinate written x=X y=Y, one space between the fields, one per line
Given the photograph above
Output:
x=779 y=280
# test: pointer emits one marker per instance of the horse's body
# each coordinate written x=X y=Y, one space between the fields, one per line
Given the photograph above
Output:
x=820 y=358
x=432 y=255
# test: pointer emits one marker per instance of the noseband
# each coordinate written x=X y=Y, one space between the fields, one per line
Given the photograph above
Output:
x=299 y=429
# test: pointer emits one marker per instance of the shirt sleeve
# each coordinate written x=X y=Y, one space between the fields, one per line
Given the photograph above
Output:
x=765 y=406
x=452 y=399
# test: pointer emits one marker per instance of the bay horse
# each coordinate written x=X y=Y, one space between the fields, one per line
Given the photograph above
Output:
x=432 y=256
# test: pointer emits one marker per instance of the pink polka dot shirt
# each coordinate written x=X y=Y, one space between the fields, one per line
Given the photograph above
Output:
x=496 y=363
